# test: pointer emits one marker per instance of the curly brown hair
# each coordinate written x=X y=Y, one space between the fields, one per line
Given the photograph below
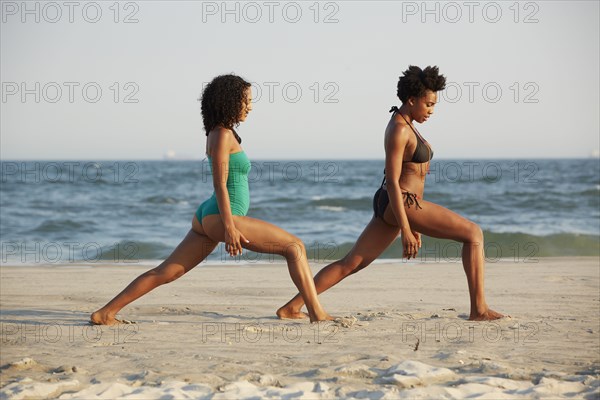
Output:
x=222 y=102
x=415 y=81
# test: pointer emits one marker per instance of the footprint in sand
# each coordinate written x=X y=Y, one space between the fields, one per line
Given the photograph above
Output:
x=371 y=316
x=345 y=322
x=125 y=321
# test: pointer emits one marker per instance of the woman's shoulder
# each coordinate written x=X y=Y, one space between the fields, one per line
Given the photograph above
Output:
x=221 y=135
x=220 y=130
x=398 y=130
x=222 y=140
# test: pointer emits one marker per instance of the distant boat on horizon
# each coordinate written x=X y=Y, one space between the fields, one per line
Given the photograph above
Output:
x=171 y=155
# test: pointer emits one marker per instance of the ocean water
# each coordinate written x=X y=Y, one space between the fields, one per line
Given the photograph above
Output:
x=55 y=212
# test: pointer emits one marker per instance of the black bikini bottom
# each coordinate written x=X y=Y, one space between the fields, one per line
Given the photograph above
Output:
x=381 y=201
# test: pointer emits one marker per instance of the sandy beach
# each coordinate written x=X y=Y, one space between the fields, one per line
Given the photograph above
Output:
x=213 y=334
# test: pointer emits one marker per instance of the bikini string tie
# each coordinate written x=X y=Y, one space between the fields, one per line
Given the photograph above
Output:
x=411 y=198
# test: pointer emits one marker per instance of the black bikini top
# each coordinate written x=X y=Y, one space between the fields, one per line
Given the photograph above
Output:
x=423 y=152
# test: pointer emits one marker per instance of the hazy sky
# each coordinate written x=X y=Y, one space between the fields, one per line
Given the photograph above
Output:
x=523 y=77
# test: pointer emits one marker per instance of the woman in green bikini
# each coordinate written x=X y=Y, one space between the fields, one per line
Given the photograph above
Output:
x=226 y=101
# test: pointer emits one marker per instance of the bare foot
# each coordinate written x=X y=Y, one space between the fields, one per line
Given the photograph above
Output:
x=488 y=315
x=98 y=318
x=287 y=313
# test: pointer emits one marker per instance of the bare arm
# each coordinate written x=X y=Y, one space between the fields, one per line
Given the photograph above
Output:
x=394 y=153
x=221 y=144
x=220 y=148
x=395 y=146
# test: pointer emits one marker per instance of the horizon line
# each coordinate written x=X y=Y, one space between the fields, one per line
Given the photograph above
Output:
x=590 y=157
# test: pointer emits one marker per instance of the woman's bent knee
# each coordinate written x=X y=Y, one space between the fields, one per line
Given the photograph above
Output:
x=475 y=234
x=294 y=249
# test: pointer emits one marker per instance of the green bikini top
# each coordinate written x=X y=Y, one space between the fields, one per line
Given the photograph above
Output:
x=239 y=167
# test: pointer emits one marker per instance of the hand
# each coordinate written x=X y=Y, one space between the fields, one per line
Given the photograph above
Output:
x=233 y=238
x=410 y=244
x=417 y=236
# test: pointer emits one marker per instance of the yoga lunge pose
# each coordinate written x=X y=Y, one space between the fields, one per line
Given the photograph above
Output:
x=226 y=101
x=399 y=206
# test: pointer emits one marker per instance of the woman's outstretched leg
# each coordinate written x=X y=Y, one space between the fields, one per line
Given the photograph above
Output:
x=194 y=248
x=268 y=238
x=375 y=238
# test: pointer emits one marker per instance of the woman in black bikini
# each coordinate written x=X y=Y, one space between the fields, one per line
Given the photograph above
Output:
x=399 y=206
